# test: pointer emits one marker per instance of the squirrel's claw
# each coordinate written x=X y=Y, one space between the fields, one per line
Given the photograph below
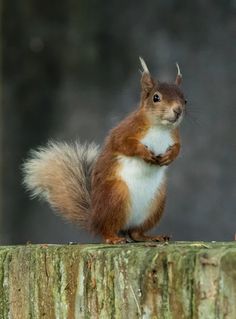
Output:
x=165 y=160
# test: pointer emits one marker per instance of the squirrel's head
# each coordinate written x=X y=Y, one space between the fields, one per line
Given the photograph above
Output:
x=164 y=103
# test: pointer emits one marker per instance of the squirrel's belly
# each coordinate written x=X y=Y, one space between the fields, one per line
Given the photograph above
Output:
x=143 y=181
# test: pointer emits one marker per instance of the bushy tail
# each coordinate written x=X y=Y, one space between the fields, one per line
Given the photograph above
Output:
x=60 y=173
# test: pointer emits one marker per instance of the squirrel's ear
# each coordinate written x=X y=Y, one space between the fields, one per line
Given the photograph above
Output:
x=147 y=83
x=179 y=77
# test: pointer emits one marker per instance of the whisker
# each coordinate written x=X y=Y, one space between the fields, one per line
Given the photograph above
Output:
x=193 y=115
x=193 y=109
x=194 y=121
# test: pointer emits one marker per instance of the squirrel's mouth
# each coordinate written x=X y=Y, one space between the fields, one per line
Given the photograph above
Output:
x=178 y=116
x=172 y=120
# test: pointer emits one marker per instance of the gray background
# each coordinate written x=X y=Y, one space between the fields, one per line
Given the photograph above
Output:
x=70 y=69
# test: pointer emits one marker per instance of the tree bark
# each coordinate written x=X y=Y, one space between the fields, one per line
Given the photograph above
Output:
x=176 y=280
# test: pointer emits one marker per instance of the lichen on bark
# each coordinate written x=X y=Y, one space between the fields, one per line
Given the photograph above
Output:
x=178 y=280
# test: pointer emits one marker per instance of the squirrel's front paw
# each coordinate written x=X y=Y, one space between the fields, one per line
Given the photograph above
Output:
x=169 y=155
x=150 y=157
x=165 y=159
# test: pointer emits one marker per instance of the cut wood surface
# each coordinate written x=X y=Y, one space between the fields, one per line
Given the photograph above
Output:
x=176 y=280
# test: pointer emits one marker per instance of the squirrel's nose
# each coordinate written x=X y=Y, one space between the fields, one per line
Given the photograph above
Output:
x=177 y=110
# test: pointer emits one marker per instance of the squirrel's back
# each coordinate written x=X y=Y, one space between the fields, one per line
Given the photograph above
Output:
x=60 y=173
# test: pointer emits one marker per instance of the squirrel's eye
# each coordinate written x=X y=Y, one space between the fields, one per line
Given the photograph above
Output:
x=156 y=98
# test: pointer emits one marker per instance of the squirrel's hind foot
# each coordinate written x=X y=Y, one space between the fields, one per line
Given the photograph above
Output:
x=115 y=240
x=139 y=236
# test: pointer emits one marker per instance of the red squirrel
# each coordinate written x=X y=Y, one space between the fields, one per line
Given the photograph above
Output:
x=122 y=187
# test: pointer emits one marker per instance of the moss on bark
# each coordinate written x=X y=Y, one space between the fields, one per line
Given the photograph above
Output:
x=178 y=280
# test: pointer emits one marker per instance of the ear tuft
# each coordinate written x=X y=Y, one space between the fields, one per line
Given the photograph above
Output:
x=179 y=76
x=147 y=83
x=144 y=65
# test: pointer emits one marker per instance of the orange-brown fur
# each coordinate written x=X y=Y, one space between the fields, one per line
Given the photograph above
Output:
x=110 y=195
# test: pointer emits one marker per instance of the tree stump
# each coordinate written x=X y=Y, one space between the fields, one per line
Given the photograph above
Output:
x=145 y=280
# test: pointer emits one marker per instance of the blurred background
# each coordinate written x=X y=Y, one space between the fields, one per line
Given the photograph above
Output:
x=69 y=69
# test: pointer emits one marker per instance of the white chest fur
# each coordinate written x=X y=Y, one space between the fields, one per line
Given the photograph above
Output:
x=144 y=180
x=157 y=140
